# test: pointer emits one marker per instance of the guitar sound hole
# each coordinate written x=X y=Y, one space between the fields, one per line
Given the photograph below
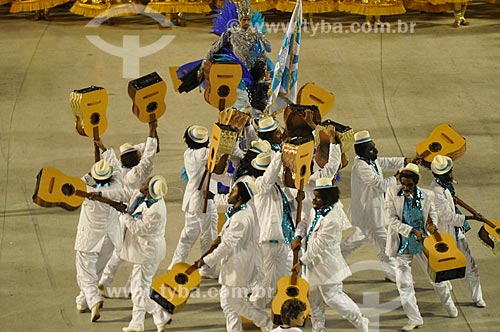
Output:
x=68 y=189
x=223 y=91
x=181 y=279
x=441 y=247
x=292 y=292
x=303 y=170
x=435 y=147
x=95 y=118
x=153 y=106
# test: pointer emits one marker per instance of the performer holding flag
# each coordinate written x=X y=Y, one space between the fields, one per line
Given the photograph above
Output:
x=286 y=69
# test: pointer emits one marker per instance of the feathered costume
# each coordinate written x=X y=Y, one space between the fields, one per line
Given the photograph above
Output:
x=246 y=47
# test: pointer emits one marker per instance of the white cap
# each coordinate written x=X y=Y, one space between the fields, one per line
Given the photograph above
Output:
x=362 y=136
x=126 y=148
x=441 y=164
x=198 y=134
x=158 y=187
x=260 y=146
x=411 y=168
x=101 y=170
x=267 y=124
x=323 y=183
x=261 y=161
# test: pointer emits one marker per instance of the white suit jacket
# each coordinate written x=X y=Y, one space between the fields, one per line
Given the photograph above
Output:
x=328 y=171
x=323 y=259
x=238 y=251
x=269 y=203
x=98 y=219
x=445 y=208
x=134 y=177
x=145 y=237
x=194 y=162
x=367 y=191
x=394 y=208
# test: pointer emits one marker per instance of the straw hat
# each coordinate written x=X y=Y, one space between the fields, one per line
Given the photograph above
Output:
x=441 y=164
x=362 y=136
x=198 y=134
x=251 y=188
x=260 y=146
x=411 y=168
x=158 y=187
x=126 y=148
x=267 y=124
x=261 y=161
x=101 y=170
x=323 y=183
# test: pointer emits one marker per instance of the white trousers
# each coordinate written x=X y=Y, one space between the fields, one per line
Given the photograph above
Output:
x=108 y=275
x=333 y=296
x=234 y=302
x=471 y=271
x=142 y=276
x=89 y=266
x=404 y=282
x=378 y=237
x=202 y=225
x=276 y=263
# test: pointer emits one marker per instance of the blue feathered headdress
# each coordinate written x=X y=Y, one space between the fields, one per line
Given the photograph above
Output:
x=226 y=18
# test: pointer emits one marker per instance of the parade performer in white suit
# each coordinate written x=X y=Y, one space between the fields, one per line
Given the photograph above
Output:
x=238 y=253
x=409 y=209
x=325 y=268
x=453 y=222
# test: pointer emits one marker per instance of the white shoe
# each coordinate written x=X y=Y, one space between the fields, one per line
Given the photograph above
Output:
x=452 y=312
x=81 y=308
x=133 y=329
x=410 y=327
x=162 y=328
x=95 y=315
x=480 y=304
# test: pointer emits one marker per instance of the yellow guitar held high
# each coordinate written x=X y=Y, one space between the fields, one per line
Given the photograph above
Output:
x=345 y=137
x=297 y=157
x=445 y=260
x=222 y=82
x=221 y=147
x=89 y=107
x=148 y=95
x=312 y=94
x=443 y=140
x=172 y=289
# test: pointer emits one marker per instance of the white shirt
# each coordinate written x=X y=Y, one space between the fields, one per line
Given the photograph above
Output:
x=367 y=191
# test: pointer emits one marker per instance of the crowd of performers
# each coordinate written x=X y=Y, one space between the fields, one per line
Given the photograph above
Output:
x=254 y=248
x=373 y=10
x=257 y=238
